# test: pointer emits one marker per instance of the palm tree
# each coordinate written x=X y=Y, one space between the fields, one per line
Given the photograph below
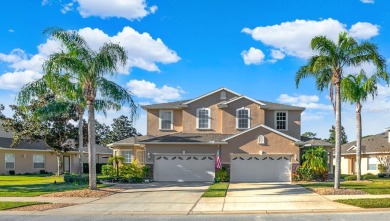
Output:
x=356 y=89
x=88 y=68
x=327 y=68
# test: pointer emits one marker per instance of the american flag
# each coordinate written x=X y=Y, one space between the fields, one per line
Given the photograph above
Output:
x=218 y=161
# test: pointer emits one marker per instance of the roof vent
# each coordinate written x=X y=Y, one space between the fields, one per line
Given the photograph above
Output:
x=223 y=95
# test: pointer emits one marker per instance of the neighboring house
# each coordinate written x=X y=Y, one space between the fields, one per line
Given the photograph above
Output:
x=256 y=140
x=33 y=157
x=310 y=143
x=373 y=147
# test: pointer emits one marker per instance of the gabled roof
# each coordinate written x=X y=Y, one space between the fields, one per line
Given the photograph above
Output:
x=193 y=138
x=240 y=97
x=317 y=143
x=169 y=105
x=265 y=127
x=275 y=106
x=208 y=94
x=130 y=140
x=378 y=143
x=5 y=143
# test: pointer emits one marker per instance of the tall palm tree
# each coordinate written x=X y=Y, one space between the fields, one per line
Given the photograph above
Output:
x=327 y=68
x=88 y=68
x=356 y=89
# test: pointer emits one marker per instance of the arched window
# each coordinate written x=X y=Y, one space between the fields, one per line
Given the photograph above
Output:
x=223 y=95
x=261 y=139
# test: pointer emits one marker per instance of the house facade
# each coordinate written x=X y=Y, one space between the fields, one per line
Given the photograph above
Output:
x=256 y=140
x=375 y=150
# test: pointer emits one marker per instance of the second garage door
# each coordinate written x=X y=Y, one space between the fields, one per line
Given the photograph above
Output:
x=183 y=168
x=260 y=168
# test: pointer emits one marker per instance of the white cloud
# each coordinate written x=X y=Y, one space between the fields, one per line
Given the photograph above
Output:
x=146 y=89
x=363 y=30
x=44 y=2
x=307 y=101
x=131 y=10
x=11 y=30
x=380 y=103
x=368 y=1
x=253 y=56
x=67 y=7
x=15 y=80
x=293 y=38
x=276 y=54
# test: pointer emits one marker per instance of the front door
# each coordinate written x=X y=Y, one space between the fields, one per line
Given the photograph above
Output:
x=353 y=166
x=67 y=164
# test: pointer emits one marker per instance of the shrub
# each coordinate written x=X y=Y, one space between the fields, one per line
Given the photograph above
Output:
x=11 y=172
x=382 y=175
x=109 y=171
x=146 y=171
x=349 y=178
x=369 y=177
x=303 y=174
x=382 y=168
x=222 y=175
x=75 y=178
x=43 y=172
x=132 y=172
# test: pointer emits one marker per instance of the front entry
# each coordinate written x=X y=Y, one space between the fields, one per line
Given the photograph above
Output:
x=260 y=168
x=67 y=164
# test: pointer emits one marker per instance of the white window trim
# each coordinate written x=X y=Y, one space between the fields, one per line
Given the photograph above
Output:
x=209 y=119
x=261 y=140
x=249 y=118
x=368 y=164
x=275 y=121
x=5 y=162
x=131 y=155
x=141 y=152
x=159 y=119
x=44 y=161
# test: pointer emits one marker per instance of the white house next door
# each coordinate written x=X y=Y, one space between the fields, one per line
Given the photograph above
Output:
x=181 y=168
x=260 y=168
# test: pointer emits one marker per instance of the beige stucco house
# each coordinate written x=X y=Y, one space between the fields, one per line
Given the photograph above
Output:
x=374 y=147
x=256 y=140
x=33 y=157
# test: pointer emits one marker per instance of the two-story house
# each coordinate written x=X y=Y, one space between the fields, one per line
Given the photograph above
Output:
x=257 y=140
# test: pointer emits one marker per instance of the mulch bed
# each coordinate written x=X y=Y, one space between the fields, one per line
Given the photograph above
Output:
x=332 y=191
x=42 y=207
x=100 y=193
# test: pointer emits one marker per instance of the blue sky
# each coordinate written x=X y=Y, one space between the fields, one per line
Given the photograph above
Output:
x=182 y=49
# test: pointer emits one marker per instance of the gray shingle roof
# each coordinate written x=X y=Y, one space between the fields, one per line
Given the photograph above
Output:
x=5 y=142
x=133 y=140
x=372 y=144
x=99 y=149
x=169 y=105
x=189 y=137
x=318 y=142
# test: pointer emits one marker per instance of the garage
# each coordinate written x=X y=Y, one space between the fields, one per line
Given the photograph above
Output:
x=182 y=168
x=260 y=168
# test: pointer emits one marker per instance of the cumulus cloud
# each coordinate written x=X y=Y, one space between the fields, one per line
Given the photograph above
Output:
x=253 y=56
x=307 y=101
x=368 y=1
x=15 y=80
x=293 y=38
x=146 y=89
x=131 y=10
x=11 y=30
x=277 y=54
x=67 y=7
x=380 y=103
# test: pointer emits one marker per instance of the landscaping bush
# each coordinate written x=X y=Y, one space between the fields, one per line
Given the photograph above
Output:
x=43 y=172
x=132 y=172
x=75 y=178
x=369 y=177
x=382 y=175
x=109 y=171
x=98 y=167
x=349 y=178
x=382 y=168
x=222 y=175
x=303 y=174
x=11 y=172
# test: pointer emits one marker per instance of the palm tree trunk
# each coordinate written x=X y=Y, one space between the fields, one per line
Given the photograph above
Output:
x=81 y=142
x=91 y=145
x=337 y=137
x=359 y=141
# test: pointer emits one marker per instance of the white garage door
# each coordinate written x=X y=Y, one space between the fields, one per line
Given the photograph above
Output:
x=260 y=168
x=183 y=168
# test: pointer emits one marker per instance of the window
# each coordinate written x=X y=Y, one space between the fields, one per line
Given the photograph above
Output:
x=243 y=118
x=372 y=163
x=223 y=95
x=128 y=156
x=141 y=156
x=203 y=118
x=166 y=120
x=9 y=161
x=39 y=161
x=261 y=139
x=281 y=120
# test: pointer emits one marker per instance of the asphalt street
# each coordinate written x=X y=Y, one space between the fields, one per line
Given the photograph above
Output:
x=366 y=216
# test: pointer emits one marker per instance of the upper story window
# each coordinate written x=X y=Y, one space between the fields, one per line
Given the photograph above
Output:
x=9 y=161
x=203 y=118
x=166 y=118
x=243 y=118
x=281 y=120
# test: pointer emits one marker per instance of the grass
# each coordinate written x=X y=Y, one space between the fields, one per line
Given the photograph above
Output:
x=367 y=203
x=375 y=186
x=34 y=185
x=11 y=205
x=216 y=190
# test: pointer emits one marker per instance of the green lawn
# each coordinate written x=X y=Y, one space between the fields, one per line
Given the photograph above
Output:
x=11 y=205
x=367 y=203
x=216 y=190
x=375 y=186
x=34 y=185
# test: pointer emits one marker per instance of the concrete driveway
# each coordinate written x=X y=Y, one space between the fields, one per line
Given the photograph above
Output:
x=268 y=197
x=151 y=198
